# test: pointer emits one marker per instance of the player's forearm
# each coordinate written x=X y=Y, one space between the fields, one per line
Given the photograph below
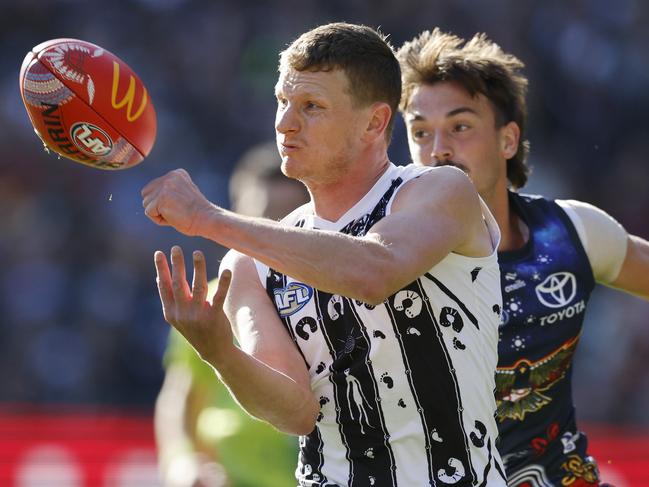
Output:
x=266 y=393
x=359 y=268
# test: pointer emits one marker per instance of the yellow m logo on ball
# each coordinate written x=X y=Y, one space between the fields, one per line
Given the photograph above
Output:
x=128 y=97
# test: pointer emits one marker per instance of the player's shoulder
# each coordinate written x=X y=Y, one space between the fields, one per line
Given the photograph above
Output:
x=578 y=205
x=532 y=198
x=587 y=213
x=445 y=185
x=442 y=191
x=448 y=177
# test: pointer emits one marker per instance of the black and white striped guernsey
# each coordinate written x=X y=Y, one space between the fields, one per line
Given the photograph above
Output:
x=405 y=387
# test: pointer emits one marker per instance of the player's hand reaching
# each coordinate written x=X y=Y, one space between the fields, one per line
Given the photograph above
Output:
x=202 y=323
x=174 y=200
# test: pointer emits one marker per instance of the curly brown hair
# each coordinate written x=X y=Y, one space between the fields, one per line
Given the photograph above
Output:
x=481 y=67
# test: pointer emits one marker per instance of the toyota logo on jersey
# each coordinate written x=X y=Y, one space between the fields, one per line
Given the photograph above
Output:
x=557 y=290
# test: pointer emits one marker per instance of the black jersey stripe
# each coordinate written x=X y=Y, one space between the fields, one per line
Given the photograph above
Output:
x=377 y=394
x=311 y=447
x=321 y=318
x=319 y=441
x=276 y=280
x=466 y=458
x=487 y=467
x=448 y=292
x=360 y=226
x=321 y=308
x=499 y=469
x=312 y=443
x=354 y=390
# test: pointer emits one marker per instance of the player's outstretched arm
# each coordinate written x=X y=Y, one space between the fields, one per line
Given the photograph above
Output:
x=634 y=274
x=432 y=216
x=271 y=383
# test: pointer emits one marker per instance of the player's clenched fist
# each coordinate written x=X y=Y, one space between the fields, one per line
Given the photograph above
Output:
x=174 y=200
x=202 y=323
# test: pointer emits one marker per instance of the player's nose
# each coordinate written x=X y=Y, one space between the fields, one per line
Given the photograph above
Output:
x=286 y=119
x=441 y=150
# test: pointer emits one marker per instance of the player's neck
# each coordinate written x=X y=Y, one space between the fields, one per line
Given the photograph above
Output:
x=513 y=231
x=331 y=200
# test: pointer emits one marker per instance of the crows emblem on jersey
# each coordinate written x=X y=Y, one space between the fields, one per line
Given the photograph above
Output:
x=520 y=388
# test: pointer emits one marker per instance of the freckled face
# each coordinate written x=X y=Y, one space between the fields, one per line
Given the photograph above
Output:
x=317 y=128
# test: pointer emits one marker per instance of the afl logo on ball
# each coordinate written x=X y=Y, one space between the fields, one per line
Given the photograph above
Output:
x=91 y=139
x=557 y=290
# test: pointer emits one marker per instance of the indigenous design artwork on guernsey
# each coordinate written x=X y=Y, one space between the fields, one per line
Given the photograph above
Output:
x=530 y=476
x=519 y=388
x=581 y=472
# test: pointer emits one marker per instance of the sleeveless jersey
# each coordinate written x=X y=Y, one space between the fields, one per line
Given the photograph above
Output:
x=405 y=387
x=546 y=285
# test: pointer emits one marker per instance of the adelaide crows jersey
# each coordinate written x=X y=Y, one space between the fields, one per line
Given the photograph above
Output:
x=546 y=285
x=405 y=387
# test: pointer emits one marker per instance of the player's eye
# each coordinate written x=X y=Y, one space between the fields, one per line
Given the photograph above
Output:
x=419 y=134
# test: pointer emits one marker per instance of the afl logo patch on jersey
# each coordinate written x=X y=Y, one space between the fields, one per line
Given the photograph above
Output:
x=292 y=298
x=558 y=289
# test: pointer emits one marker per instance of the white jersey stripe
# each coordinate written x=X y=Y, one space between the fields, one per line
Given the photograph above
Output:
x=333 y=442
x=413 y=390
x=447 y=291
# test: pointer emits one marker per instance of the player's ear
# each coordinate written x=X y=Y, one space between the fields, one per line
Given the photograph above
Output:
x=509 y=136
x=379 y=118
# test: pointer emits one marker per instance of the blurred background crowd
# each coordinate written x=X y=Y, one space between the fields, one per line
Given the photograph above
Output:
x=80 y=319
